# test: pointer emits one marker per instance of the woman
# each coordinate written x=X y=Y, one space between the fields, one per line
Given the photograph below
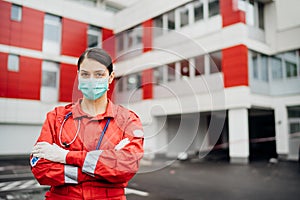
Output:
x=92 y=148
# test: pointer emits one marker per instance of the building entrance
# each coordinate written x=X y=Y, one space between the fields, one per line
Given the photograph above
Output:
x=262 y=134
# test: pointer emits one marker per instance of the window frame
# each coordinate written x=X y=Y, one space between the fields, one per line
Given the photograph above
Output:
x=209 y=2
x=218 y=65
x=50 y=93
x=96 y=32
x=19 y=10
x=13 y=63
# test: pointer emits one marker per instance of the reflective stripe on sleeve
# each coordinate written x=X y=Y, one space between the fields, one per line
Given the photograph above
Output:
x=90 y=161
x=71 y=174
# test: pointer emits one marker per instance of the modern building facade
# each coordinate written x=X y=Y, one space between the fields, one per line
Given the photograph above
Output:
x=203 y=75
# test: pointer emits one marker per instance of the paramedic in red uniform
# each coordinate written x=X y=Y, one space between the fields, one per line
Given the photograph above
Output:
x=89 y=149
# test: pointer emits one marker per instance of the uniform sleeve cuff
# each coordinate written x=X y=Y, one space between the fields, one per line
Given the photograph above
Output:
x=75 y=158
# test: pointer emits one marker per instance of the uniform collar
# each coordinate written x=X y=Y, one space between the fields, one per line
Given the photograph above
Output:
x=109 y=113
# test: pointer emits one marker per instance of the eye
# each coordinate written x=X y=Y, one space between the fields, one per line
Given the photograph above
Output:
x=99 y=75
x=85 y=75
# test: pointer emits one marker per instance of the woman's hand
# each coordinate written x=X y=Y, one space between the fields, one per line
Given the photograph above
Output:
x=50 y=152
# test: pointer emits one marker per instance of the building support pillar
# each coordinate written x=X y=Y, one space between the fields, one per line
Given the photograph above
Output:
x=281 y=129
x=238 y=135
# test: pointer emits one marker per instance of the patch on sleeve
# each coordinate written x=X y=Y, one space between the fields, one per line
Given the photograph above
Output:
x=138 y=133
x=34 y=161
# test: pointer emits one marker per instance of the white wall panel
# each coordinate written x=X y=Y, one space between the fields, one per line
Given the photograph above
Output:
x=238 y=133
x=137 y=13
x=18 y=138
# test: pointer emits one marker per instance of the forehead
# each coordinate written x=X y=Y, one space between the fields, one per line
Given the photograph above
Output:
x=92 y=65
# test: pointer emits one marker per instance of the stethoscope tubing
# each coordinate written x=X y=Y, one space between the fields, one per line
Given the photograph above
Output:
x=60 y=133
x=65 y=144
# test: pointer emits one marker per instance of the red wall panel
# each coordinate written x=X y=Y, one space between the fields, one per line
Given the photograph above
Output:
x=25 y=83
x=32 y=29
x=108 y=42
x=147 y=35
x=68 y=83
x=235 y=66
x=27 y=33
x=30 y=76
x=230 y=13
x=147 y=75
x=3 y=74
x=147 y=83
x=5 y=8
x=110 y=92
x=74 y=37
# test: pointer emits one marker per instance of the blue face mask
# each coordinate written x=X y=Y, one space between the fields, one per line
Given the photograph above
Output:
x=93 y=88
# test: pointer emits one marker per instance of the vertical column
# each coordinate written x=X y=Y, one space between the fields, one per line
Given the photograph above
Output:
x=147 y=83
x=147 y=35
x=147 y=75
x=238 y=135
x=108 y=44
x=281 y=128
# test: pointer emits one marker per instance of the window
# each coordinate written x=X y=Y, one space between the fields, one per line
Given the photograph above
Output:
x=159 y=74
x=184 y=68
x=254 y=12
x=264 y=68
x=276 y=68
x=213 y=8
x=134 y=81
x=16 y=13
x=52 y=34
x=260 y=67
x=52 y=28
x=134 y=36
x=290 y=62
x=198 y=10
x=171 y=72
x=294 y=112
x=261 y=23
x=158 y=26
x=294 y=127
x=120 y=42
x=294 y=119
x=13 y=63
x=215 y=62
x=250 y=13
x=199 y=65
x=184 y=16
x=50 y=81
x=94 y=36
x=171 y=20
x=255 y=65
x=291 y=69
x=120 y=84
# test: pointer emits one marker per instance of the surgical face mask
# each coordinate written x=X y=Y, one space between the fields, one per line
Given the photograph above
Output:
x=93 y=88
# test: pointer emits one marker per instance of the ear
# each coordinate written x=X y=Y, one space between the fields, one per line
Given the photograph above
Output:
x=111 y=77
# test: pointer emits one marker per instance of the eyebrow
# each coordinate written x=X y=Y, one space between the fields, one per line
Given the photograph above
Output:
x=101 y=70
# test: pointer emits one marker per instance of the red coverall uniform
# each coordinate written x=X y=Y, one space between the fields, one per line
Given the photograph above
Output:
x=89 y=173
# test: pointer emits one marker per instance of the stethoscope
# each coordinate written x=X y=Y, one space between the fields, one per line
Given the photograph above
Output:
x=67 y=145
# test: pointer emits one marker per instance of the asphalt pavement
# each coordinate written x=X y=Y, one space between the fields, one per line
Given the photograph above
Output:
x=213 y=180
x=165 y=179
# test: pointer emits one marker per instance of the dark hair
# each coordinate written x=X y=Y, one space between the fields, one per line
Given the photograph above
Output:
x=99 y=55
